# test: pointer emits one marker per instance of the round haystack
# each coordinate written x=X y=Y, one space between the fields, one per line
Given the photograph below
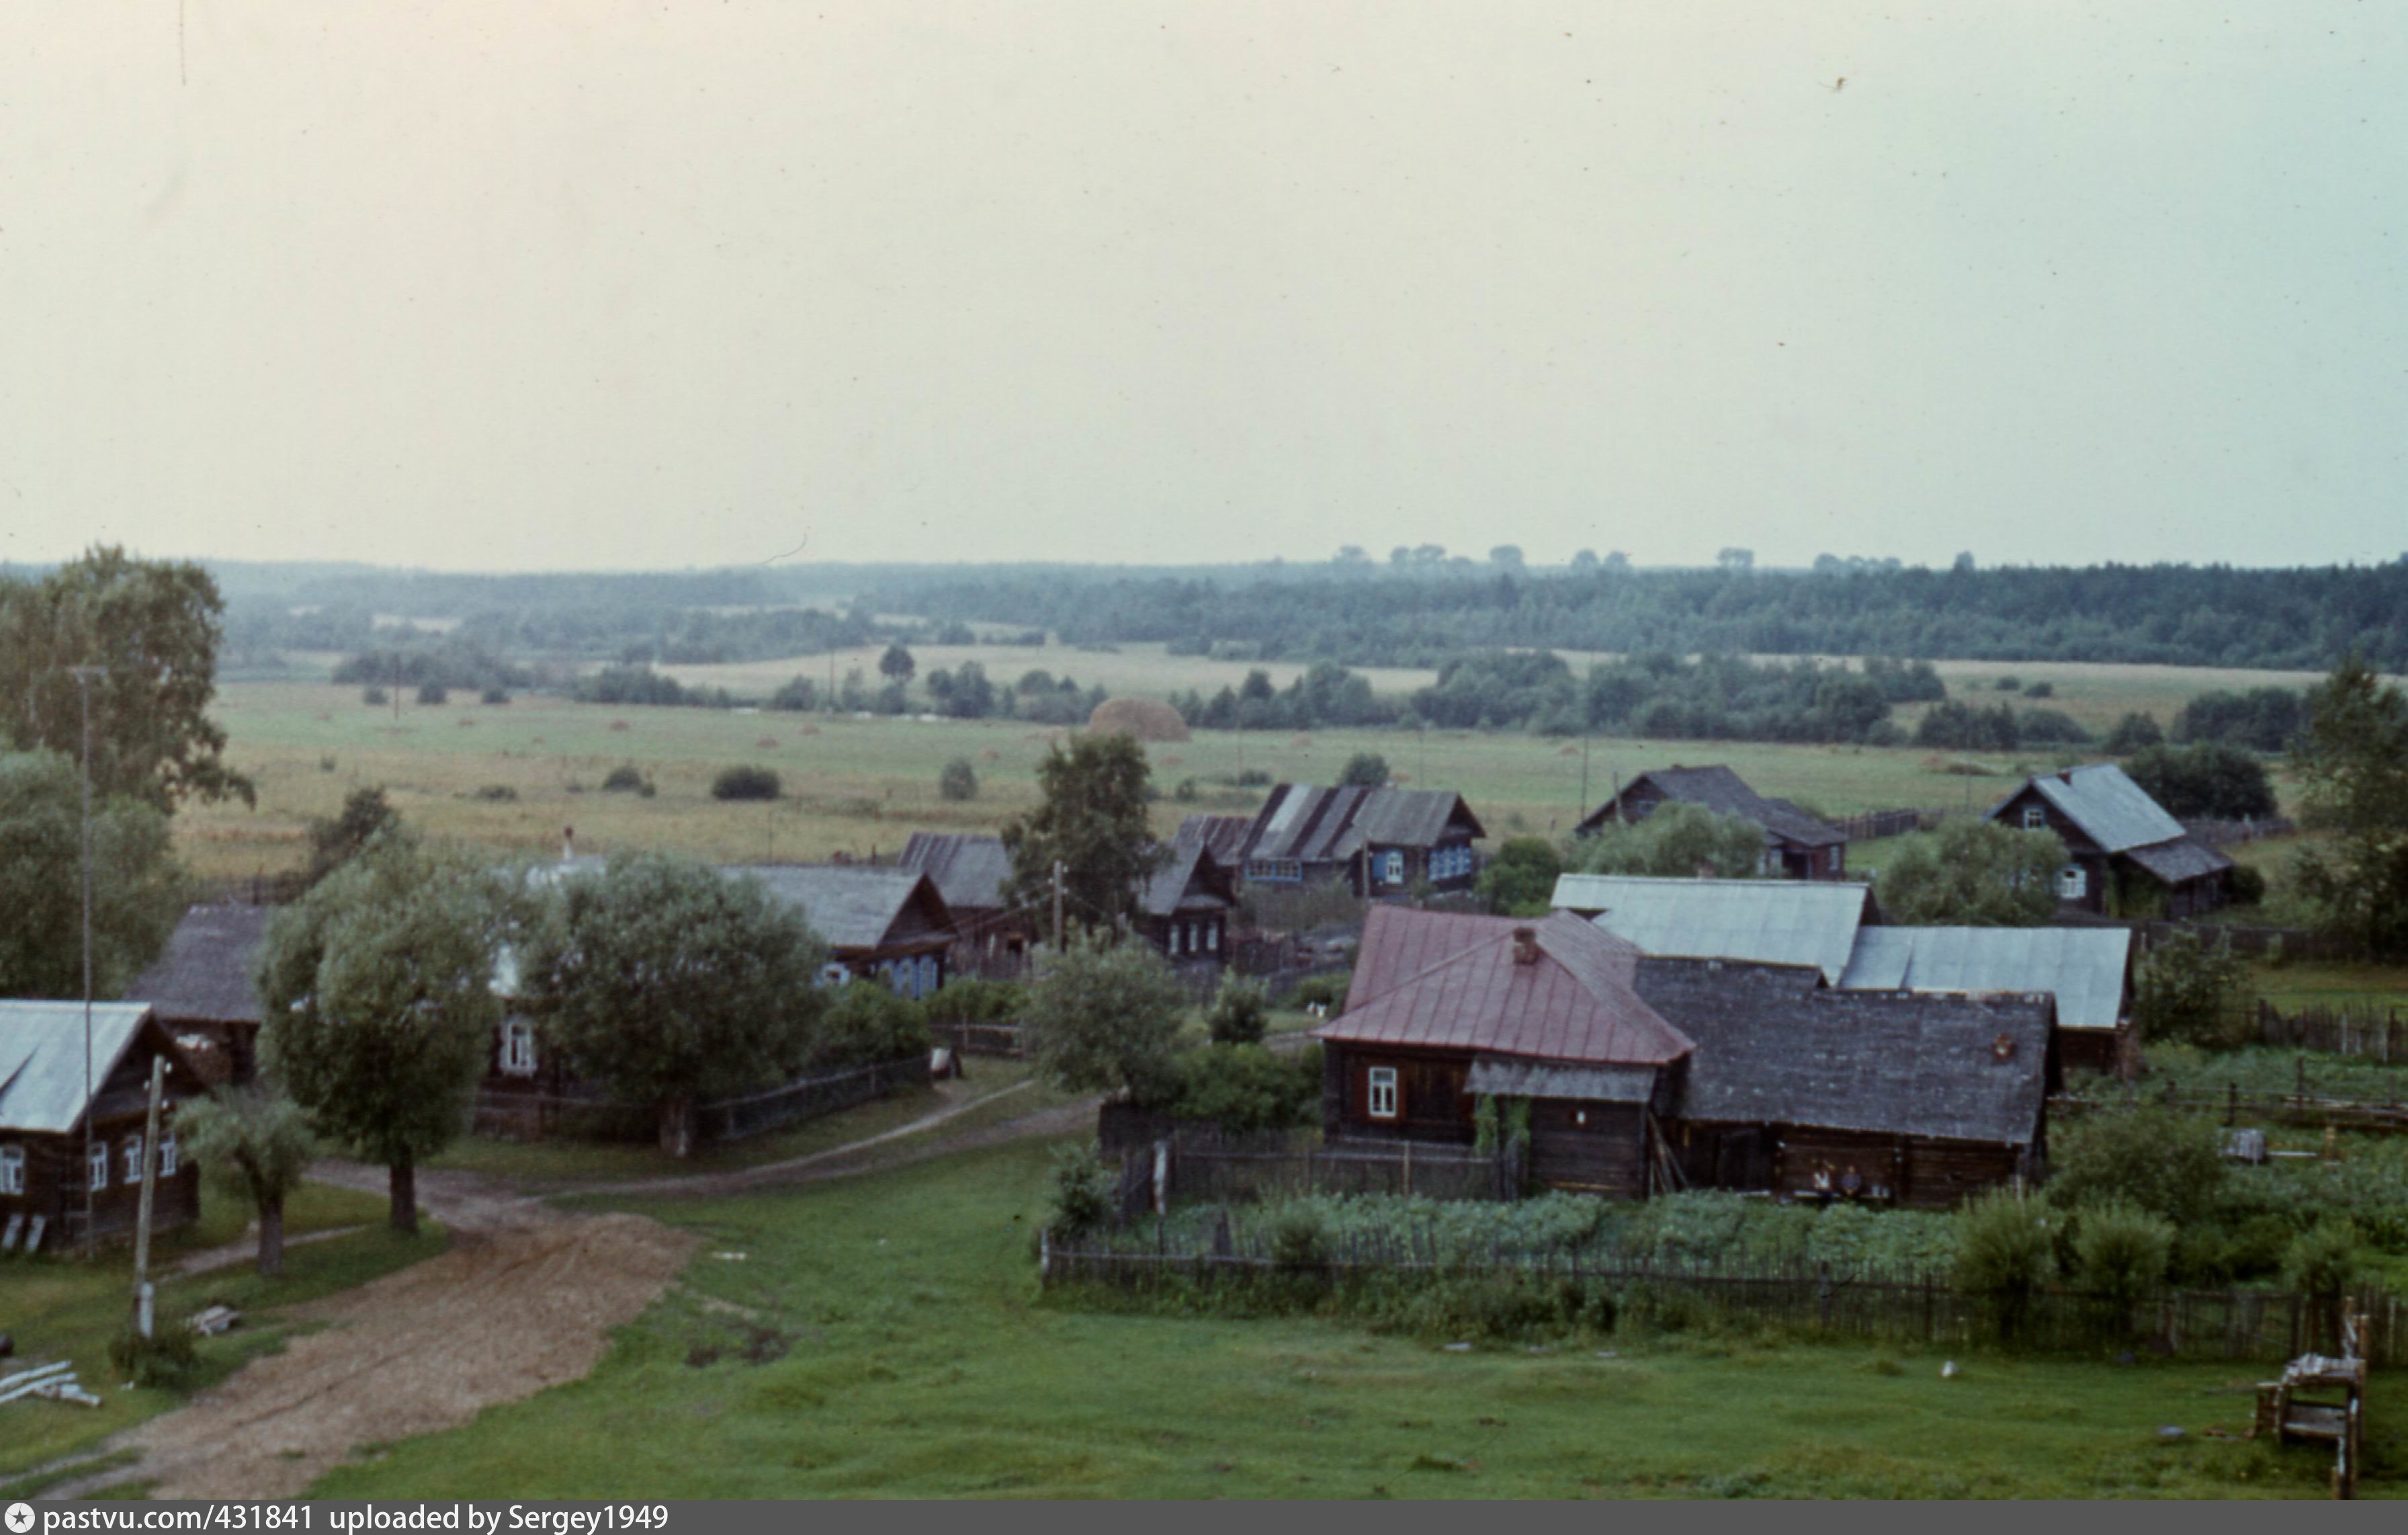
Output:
x=1147 y=719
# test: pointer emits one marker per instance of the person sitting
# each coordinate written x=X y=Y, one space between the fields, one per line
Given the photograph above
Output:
x=1822 y=1183
x=1851 y=1182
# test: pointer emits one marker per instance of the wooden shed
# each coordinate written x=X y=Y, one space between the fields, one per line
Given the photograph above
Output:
x=200 y=988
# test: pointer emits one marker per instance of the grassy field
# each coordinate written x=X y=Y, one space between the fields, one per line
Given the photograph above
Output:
x=62 y=1308
x=862 y=786
x=904 y=1351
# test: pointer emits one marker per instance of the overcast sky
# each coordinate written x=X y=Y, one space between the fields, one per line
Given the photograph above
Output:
x=550 y=284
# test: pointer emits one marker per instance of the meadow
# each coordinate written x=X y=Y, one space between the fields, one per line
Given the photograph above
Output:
x=514 y=777
x=884 y=1336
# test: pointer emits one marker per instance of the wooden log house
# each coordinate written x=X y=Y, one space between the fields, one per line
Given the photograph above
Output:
x=47 y=1164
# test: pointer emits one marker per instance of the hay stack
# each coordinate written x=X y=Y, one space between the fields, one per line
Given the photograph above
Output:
x=1147 y=719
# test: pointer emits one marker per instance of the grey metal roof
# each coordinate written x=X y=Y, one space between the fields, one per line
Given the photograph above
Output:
x=2082 y=968
x=1311 y=823
x=42 y=1059
x=1192 y=880
x=1781 y=921
x=205 y=971
x=1720 y=790
x=1538 y=1079
x=1225 y=835
x=2184 y=859
x=1771 y=1051
x=855 y=906
x=969 y=869
x=2112 y=810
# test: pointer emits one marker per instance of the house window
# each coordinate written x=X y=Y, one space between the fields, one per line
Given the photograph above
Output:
x=835 y=975
x=96 y=1167
x=134 y=1159
x=1383 y=1092
x=2073 y=883
x=518 y=1048
x=928 y=980
x=12 y=1170
x=167 y=1163
x=2035 y=818
x=1213 y=937
x=1391 y=868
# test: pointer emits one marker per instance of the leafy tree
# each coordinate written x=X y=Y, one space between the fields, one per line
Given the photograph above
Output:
x=867 y=1021
x=1092 y=820
x=1520 y=882
x=366 y=815
x=897 y=665
x=1240 y=1012
x=2004 y=1255
x=434 y=692
x=2264 y=719
x=1507 y=556
x=1585 y=562
x=2204 y=778
x=1739 y=562
x=1365 y=769
x=1104 y=1018
x=2150 y=1158
x=962 y=693
x=256 y=1141
x=1082 y=1193
x=137 y=888
x=800 y=693
x=2325 y=1260
x=2352 y=763
x=668 y=983
x=2190 y=990
x=2120 y=1252
x=154 y=625
x=1245 y=1087
x=959 y=781
x=1976 y=874
x=2132 y=733
x=378 y=991
x=743 y=782
x=1677 y=840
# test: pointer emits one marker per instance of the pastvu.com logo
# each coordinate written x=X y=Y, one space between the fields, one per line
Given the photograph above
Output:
x=21 y=1518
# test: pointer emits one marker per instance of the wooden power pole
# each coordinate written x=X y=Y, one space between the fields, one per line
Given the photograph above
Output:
x=150 y=1188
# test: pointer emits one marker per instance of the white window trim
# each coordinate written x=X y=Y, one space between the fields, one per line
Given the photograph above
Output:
x=167 y=1161
x=133 y=1159
x=96 y=1168
x=12 y=1170
x=2072 y=883
x=2035 y=818
x=518 y=1048
x=1391 y=868
x=1212 y=938
x=1381 y=1089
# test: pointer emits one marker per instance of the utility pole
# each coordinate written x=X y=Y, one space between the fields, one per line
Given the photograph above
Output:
x=1583 y=800
x=142 y=1308
x=397 y=688
x=1058 y=938
x=84 y=676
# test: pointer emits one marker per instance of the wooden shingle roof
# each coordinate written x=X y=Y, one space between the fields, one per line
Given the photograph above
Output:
x=203 y=974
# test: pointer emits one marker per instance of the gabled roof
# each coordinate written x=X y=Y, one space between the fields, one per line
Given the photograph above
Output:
x=858 y=906
x=1773 y=1048
x=1192 y=879
x=2185 y=858
x=205 y=971
x=1225 y=835
x=1444 y=981
x=1781 y=921
x=970 y=870
x=42 y=1059
x=2082 y=968
x=1720 y=790
x=1312 y=825
x=2101 y=799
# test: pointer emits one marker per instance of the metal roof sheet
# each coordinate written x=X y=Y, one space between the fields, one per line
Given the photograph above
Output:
x=205 y=972
x=42 y=1059
x=853 y=906
x=2112 y=810
x=1225 y=835
x=970 y=870
x=2184 y=859
x=1720 y=790
x=1312 y=823
x=2082 y=968
x=1193 y=878
x=1781 y=921
x=1537 y=1079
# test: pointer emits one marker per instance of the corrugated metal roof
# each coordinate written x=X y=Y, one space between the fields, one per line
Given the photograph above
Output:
x=1771 y=1051
x=205 y=972
x=1224 y=835
x=1311 y=823
x=969 y=869
x=1780 y=922
x=2082 y=968
x=2112 y=810
x=42 y=1059
x=1530 y=1079
x=853 y=906
x=1450 y=981
x=1193 y=878
x=1720 y=790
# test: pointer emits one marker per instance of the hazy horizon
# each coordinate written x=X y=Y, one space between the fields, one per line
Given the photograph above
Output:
x=605 y=287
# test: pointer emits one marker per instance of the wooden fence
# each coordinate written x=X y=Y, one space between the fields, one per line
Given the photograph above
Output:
x=1000 y=1039
x=2352 y=1029
x=2379 y=1116
x=2226 y=833
x=2234 y=1324
x=1865 y=826
x=589 y=1113
x=1205 y=1168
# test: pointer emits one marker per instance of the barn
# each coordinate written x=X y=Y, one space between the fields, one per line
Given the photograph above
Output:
x=971 y=871
x=200 y=988
x=47 y=1165
x=1797 y=845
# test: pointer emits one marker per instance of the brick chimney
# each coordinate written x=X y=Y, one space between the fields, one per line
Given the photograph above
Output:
x=1525 y=946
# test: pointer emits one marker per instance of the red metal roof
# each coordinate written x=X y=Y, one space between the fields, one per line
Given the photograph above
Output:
x=1438 y=980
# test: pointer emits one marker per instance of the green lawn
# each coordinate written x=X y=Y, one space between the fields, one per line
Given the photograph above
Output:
x=63 y=1308
x=903 y=1351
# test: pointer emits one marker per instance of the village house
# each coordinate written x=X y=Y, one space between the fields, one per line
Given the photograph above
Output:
x=1184 y=908
x=200 y=989
x=2124 y=856
x=1797 y=845
x=47 y=1165
x=885 y=925
x=970 y=871
x=1644 y=1075
x=1381 y=844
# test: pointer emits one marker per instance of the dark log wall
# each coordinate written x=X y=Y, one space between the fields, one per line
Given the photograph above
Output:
x=1594 y=1147
x=1431 y=1102
x=54 y=1186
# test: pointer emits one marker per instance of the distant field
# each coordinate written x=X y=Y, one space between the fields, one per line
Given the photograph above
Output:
x=862 y=786
x=1124 y=670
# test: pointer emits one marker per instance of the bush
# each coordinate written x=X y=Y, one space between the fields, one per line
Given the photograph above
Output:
x=2189 y=991
x=967 y=999
x=167 y=1357
x=625 y=779
x=2132 y=733
x=496 y=695
x=869 y=1023
x=2040 y=690
x=1328 y=991
x=2248 y=888
x=1239 y=1012
x=375 y=697
x=1299 y=1244
x=2120 y=1253
x=434 y=692
x=1082 y=1193
x=798 y=694
x=1364 y=769
x=2004 y=1255
x=745 y=783
x=2324 y=1260
x=959 y=781
x=2152 y=1159
x=1188 y=791
x=501 y=793
x=1244 y=1087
